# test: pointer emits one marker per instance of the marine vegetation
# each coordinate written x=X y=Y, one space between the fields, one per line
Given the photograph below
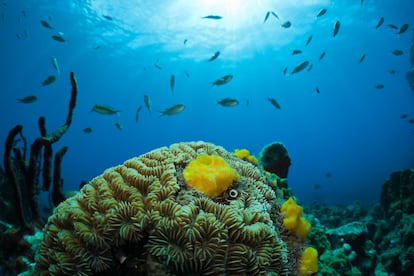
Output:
x=145 y=217
x=19 y=182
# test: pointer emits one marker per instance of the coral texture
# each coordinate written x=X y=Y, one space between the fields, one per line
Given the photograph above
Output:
x=140 y=218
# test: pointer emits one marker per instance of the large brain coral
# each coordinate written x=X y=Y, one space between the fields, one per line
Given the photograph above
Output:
x=140 y=218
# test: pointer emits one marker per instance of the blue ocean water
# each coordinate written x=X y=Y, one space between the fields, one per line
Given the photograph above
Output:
x=346 y=139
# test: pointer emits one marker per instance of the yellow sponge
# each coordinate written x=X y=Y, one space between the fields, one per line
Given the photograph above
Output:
x=309 y=262
x=245 y=155
x=210 y=174
x=294 y=220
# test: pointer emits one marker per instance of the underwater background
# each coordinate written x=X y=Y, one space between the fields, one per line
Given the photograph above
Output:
x=347 y=122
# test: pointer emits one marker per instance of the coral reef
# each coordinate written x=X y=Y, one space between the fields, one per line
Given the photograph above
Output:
x=380 y=241
x=141 y=218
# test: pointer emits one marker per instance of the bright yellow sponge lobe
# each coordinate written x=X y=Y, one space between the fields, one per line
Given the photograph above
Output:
x=309 y=262
x=294 y=220
x=245 y=155
x=210 y=174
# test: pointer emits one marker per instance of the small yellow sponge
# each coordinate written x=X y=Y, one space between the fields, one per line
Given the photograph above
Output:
x=245 y=155
x=294 y=220
x=309 y=262
x=210 y=174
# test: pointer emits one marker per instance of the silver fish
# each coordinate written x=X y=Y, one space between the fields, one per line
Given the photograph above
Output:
x=147 y=102
x=173 y=110
x=321 y=12
x=216 y=54
x=49 y=80
x=287 y=24
x=403 y=29
x=309 y=40
x=337 y=26
x=119 y=125
x=300 y=67
x=223 y=80
x=274 y=103
x=361 y=59
x=216 y=17
x=172 y=82
x=55 y=65
x=45 y=24
x=266 y=17
x=228 y=102
x=380 y=22
x=137 y=114
x=28 y=99
x=104 y=109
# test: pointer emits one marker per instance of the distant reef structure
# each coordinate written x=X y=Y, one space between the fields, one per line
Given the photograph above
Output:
x=410 y=73
x=380 y=241
x=188 y=209
x=19 y=185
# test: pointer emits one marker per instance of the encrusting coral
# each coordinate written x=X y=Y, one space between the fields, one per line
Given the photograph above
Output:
x=141 y=218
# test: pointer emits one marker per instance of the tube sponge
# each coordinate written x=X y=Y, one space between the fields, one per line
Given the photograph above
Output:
x=309 y=262
x=210 y=174
x=294 y=220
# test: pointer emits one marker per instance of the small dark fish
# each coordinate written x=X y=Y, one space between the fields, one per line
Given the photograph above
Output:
x=322 y=56
x=310 y=67
x=392 y=71
x=287 y=24
x=397 y=52
x=285 y=71
x=104 y=109
x=411 y=121
x=403 y=116
x=87 y=130
x=296 y=52
x=403 y=29
x=119 y=125
x=380 y=22
x=317 y=186
x=187 y=74
x=266 y=17
x=27 y=100
x=173 y=110
x=274 y=103
x=328 y=174
x=137 y=113
x=362 y=2
x=147 y=102
x=247 y=103
x=361 y=59
x=336 y=28
x=172 y=83
x=158 y=67
x=392 y=26
x=317 y=90
x=228 y=102
x=45 y=24
x=215 y=17
x=223 y=80
x=321 y=12
x=58 y=38
x=309 y=40
x=185 y=41
x=300 y=67
x=216 y=54
x=49 y=80
x=275 y=15
x=379 y=86
x=107 y=17
x=97 y=47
